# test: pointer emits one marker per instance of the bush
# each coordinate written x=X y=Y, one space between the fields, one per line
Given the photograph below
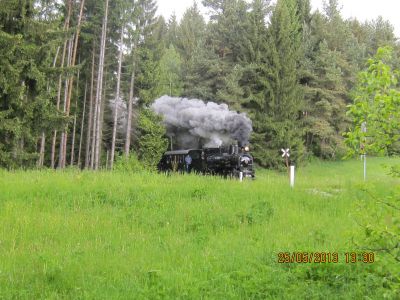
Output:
x=380 y=220
x=128 y=164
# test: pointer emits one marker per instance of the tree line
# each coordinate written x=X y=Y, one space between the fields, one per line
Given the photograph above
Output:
x=77 y=77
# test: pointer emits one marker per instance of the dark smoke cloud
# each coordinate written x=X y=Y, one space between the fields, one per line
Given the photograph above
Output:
x=193 y=123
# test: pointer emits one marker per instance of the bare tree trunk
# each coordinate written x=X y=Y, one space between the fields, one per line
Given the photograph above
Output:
x=99 y=89
x=43 y=137
x=94 y=114
x=74 y=127
x=41 y=153
x=53 y=144
x=101 y=120
x=73 y=58
x=117 y=98
x=82 y=126
x=63 y=150
x=74 y=45
x=96 y=109
x=66 y=27
x=130 y=107
x=73 y=142
x=108 y=152
x=89 y=149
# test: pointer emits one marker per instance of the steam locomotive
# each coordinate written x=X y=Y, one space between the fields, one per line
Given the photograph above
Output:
x=224 y=161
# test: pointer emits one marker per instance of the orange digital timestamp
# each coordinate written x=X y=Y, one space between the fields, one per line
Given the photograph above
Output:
x=325 y=257
x=359 y=257
x=308 y=257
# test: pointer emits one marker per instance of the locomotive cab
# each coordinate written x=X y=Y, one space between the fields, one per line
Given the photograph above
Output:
x=175 y=161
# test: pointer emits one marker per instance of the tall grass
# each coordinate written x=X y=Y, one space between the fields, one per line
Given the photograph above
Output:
x=86 y=235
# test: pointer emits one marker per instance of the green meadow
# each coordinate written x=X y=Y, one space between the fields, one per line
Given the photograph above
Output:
x=116 y=235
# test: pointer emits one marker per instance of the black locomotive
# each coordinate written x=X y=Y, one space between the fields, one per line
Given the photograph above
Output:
x=229 y=161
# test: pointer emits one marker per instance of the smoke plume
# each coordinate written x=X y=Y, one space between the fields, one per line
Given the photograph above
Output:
x=191 y=123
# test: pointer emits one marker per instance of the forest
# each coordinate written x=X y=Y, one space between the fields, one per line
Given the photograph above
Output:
x=77 y=78
x=80 y=89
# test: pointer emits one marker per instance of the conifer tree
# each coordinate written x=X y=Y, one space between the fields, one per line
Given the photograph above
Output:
x=278 y=123
x=26 y=109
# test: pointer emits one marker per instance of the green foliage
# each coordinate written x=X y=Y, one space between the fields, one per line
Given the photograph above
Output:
x=278 y=121
x=380 y=219
x=129 y=165
x=169 y=73
x=25 y=91
x=376 y=108
x=325 y=109
x=288 y=68
x=152 y=143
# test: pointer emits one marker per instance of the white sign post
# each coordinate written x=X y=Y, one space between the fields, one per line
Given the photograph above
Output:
x=364 y=130
x=292 y=176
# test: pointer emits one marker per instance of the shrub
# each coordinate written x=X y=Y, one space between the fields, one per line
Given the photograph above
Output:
x=128 y=164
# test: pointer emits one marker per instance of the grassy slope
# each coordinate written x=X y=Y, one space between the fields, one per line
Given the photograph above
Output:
x=116 y=235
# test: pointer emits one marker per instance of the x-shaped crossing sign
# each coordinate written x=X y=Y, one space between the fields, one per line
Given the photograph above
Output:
x=285 y=152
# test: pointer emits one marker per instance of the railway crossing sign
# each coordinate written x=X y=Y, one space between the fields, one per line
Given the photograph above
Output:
x=286 y=155
x=285 y=152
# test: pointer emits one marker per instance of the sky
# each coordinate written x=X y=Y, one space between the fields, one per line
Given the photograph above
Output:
x=361 y=9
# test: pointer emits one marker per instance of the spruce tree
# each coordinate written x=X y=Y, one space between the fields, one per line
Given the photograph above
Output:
x=26 y=109
x=169 y=73
x=278 y=122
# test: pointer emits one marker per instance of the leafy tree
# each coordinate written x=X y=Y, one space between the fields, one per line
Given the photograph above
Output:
x=376 y=107
x=152 y=142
